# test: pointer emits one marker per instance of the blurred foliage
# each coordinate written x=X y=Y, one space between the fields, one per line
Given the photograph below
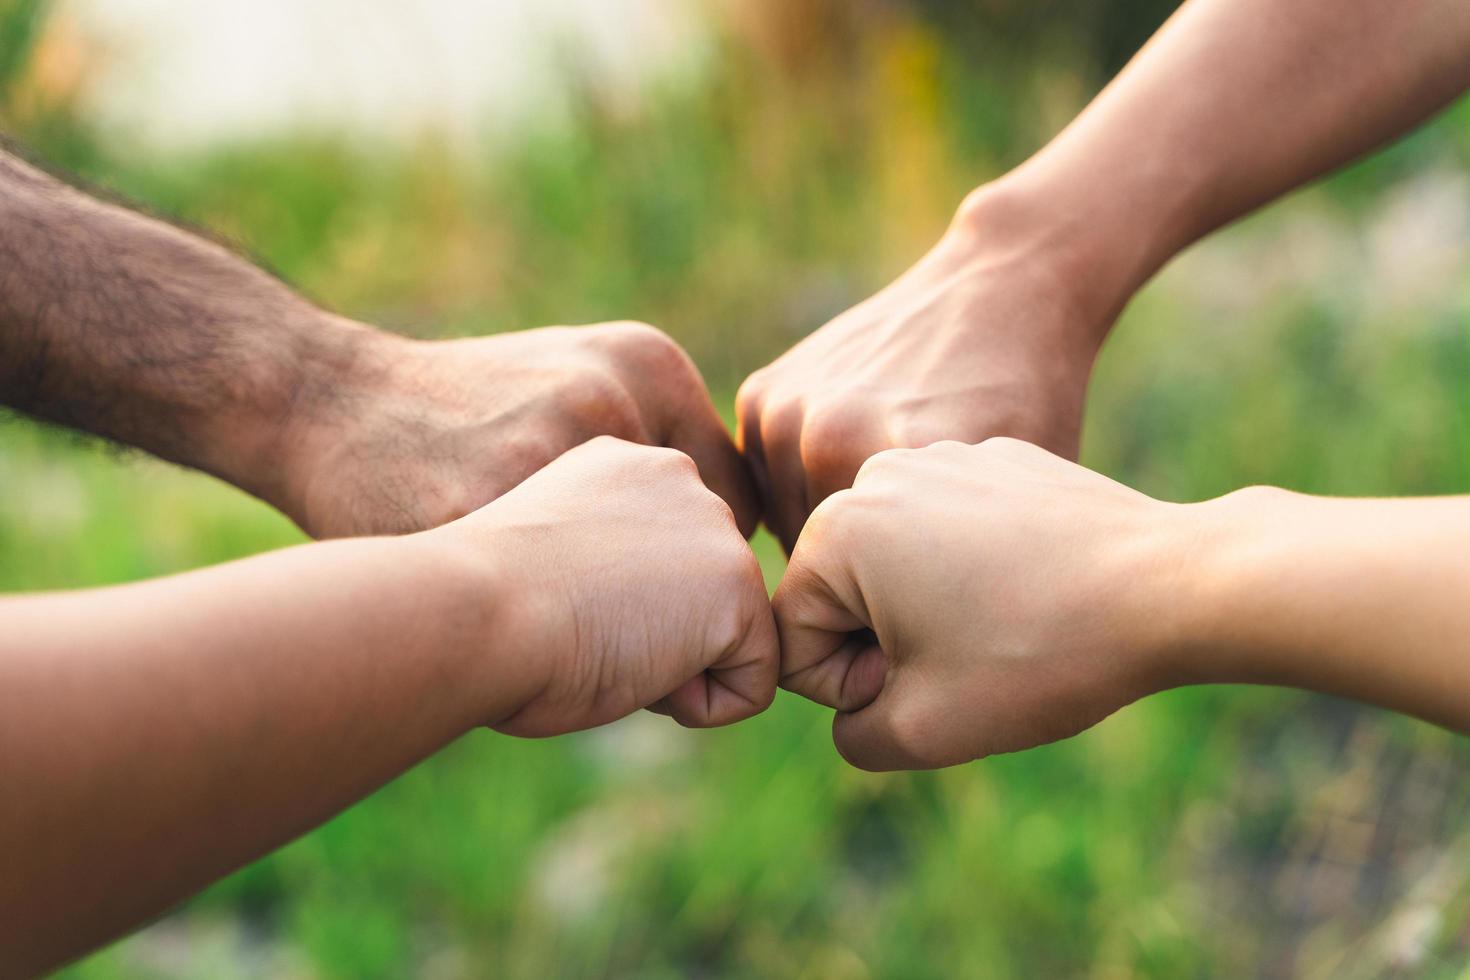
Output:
x=19 y=22
x=1205 y=832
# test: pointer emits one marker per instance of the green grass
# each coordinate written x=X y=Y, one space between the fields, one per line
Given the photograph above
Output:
x=1203 y=832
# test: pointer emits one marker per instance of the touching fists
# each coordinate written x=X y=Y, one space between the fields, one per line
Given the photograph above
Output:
x=623 y=583
x=961 y=601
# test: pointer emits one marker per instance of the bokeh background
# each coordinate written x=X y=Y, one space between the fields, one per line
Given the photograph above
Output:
x=738 y=172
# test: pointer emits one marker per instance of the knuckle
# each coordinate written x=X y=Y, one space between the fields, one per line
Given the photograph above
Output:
x=883 y=463
x=633 y=458
x=630 y=332
x=727 y=626
x=717 y=512
x=1005 y=446
x=751 y=394
x=781 y=424
x=671 y=462
x=831 y=520
x=741 y=596
x=948 y=446
x=645 y=343
x=605 y=443
x=831 y=435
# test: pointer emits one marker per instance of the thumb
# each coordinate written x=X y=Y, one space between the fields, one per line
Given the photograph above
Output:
x=829 y=653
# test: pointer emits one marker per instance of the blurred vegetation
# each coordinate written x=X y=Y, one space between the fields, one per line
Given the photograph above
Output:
x=1209 y=832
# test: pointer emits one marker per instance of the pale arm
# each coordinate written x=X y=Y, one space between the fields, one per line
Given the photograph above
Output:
x=1232 y=104
x=1015 y=598
x=1362 y=598
x=995 y=330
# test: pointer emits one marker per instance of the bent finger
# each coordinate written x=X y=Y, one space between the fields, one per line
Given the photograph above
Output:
x=786 y=503
x=740 y=681
x=829 y=653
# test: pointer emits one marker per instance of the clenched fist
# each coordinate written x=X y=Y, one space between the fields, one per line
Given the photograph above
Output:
x=981 y=338
x=619 y=582
x=404 y=435
x=961 y=601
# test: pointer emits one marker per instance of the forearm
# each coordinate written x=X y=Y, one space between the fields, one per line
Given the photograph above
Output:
x=1232 y=104
x=156 y=736
x=127 y=327
x=1360 y=598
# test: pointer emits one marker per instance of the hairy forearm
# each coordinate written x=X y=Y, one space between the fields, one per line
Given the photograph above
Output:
x=1360 y=598
x=156 y=736
x=1232 y=104
x=129 y=328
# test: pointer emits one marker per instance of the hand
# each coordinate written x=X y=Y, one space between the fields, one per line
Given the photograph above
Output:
x=1013 y=597
x=989 y=334
x=412 y=434
x=626 y=585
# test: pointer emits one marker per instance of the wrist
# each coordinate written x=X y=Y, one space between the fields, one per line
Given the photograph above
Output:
x=1226 y=553
x=485 y=626
x=335 y=379
x=1090 y=258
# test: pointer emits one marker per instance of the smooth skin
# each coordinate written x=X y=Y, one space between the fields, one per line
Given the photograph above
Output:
x=1022 y=598
x=157 y=736
x=994 y=332
x=129 y=328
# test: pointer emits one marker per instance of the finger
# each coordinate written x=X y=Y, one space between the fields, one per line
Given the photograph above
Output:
x=748 y=442
x=740 y=681
x=829 y=653
x=847 y=679
x=699 y=432
x=786 y=506
x=834 y=444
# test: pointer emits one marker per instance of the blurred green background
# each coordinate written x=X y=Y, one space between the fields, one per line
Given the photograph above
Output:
x=811 y=153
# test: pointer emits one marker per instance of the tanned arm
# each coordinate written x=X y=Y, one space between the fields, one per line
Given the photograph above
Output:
x=127 y=327
x=960 y=601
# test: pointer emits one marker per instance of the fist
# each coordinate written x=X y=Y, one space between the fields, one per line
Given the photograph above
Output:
x=976 y=340
x=961 y=601
x=629 y=585
x=412 y=434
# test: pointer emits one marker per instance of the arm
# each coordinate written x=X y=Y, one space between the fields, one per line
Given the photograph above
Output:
x=156 y=736
x=129 y=328
x=994 y=332
x=1232 y=104
x=1020 y=599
